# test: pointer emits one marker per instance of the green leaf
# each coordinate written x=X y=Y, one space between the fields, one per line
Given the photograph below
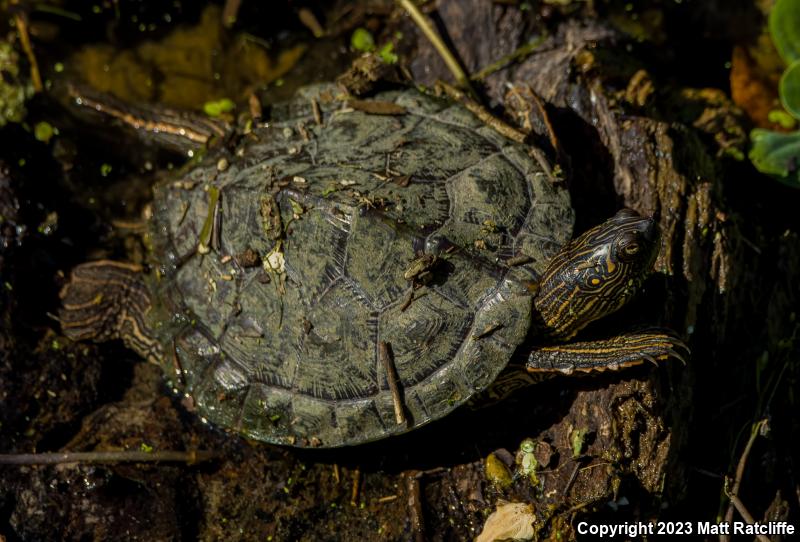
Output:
x=217 y=108
x=784 y=27
x=362 y=40
x=777 y=154
x=43 y=132
x=790 y=89
x=781 y=117
x=387 y=54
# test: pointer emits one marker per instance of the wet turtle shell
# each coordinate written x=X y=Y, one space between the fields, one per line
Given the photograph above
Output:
x=282 y=268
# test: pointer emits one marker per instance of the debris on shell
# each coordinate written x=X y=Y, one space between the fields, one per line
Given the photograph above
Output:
x=275 y=262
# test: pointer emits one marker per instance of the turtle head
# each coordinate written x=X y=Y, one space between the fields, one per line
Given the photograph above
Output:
x=597 y=273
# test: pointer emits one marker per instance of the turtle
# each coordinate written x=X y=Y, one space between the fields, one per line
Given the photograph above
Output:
x=354 y=269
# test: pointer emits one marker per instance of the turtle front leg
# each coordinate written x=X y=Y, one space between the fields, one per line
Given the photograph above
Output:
x=106 y=300
x=626 y=350
x=183 y=132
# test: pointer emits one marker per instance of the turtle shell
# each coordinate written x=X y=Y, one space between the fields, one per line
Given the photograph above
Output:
x=282 y=268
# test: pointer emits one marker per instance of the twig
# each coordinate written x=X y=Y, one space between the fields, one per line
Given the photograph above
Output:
x=482 y=113
x=387 y=360
x=452 y=64
x=521 y=53
x=415 y=504
x=230 y=12
x=572 y=478
x=742 y=509
x=433 y=471
x=167 y=456
x=573 y=509
x=737 y=482
x=317 y=111
x=525 y=93
x=356 y=485
x=254 y=104
x=310 y=21
x=708 y=473
x=25 y=40
x=132 y=225
x=57 y=11
x=407 y=301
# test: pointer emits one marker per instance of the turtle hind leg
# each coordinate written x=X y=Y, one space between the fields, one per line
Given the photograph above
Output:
x=106 y=300
x=626 y=350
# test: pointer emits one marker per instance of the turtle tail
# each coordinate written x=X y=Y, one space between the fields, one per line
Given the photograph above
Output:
x=106 y=300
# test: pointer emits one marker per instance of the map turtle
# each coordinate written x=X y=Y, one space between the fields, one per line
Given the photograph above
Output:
x=355 y=269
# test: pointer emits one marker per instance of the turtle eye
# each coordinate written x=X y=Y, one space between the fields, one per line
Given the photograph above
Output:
x=632 y=249
x=629 y=247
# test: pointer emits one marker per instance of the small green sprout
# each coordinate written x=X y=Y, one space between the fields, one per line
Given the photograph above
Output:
x=43 y=132
x=527 y=462
x=782 y=118
x=219 y=107
x=362 y=40
x=387 y=54
x=578 y=438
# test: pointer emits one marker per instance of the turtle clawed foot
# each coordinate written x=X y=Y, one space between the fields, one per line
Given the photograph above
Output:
x=625 y=350
x=678 y=348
